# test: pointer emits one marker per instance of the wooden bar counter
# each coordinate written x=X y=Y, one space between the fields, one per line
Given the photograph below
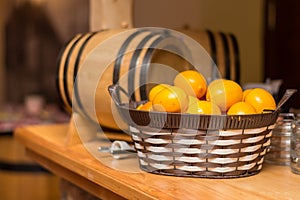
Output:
x=107 y=178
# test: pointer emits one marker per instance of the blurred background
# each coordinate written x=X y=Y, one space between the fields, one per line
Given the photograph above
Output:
x=32 y=32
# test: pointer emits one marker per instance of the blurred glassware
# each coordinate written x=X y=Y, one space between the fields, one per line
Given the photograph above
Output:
x=295 y=147
x=279 y=150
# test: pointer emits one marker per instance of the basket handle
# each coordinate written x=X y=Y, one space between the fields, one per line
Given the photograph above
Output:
x=288 y=93
x=114 y=93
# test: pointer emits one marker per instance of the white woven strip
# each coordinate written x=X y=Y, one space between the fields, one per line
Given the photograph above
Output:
x=246 y=167
x=223 y=151
x=190 y=159
x=222 y=160
x=191 y=168
x=190 y=150
x=222 y=169
x=251 y=148
x=161 y=166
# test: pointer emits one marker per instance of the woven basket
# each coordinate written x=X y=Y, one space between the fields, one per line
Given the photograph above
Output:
x=210 y=146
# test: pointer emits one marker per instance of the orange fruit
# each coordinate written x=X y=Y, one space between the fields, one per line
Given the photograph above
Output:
x=203 y=107
x=241 y=108
x=192 y=82
x=260 y=99
x=153 y=91
x=224 y=93
x=146 y=106
x=193 y=100
x=171 y=99
x=245 y=92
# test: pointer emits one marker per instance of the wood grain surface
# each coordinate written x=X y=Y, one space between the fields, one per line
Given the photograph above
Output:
x=108 y=178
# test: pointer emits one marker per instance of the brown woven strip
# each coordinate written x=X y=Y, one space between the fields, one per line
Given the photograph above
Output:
x=203 y=174
x=202 y=146
x=177 y=163
x=200 y=122
x=202 y=155
x=210 y=136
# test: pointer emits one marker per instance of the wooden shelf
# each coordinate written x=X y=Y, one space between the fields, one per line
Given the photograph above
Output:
x=108 y=178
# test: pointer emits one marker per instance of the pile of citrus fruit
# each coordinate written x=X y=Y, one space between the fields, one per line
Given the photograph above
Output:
x=191 y=94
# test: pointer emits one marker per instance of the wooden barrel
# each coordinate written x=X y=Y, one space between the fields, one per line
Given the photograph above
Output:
x=22 y=178
x=139 y=55
x=223 y=49
x=133 y=64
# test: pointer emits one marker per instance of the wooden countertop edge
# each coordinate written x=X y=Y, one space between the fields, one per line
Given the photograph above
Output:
x=51 y=151
x=102 y=174
x=70 y=176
